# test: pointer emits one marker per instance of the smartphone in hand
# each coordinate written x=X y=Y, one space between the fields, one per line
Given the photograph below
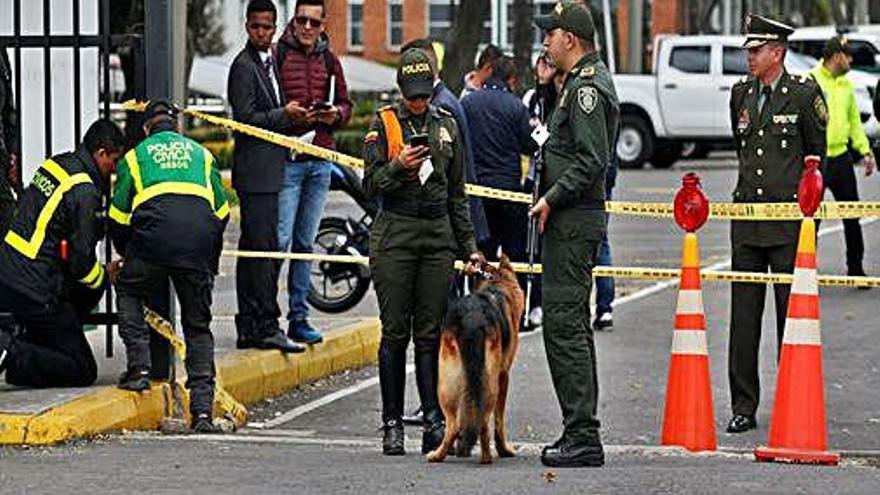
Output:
x=418 y=140
x=321 y=106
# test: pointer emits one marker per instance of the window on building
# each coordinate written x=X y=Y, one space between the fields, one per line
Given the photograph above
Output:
x=395 y=23
x=691 y=59
x=440 y=18
x=734 y=61
x=356 y=24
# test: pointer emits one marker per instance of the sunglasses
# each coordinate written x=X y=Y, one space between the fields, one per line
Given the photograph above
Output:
x=303 y=20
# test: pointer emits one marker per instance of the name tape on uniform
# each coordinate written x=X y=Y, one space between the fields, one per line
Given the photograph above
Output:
x=726 y=211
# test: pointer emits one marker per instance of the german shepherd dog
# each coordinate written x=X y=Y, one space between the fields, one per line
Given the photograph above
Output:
x=477 y=347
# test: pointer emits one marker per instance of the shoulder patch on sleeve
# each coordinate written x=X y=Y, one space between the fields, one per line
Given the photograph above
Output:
x=371 y=137
x=587 y=98
x=587 y=72
x=821 y=108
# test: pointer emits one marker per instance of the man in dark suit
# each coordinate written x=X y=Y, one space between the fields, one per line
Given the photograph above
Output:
x=256 y=99
x=777 y=120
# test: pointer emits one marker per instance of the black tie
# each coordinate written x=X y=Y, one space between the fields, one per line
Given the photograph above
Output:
x=268 y=66
x=765 y=92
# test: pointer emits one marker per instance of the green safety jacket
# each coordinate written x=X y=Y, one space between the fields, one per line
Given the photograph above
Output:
x=62 y=203
x=844 y=118
x=169 y=206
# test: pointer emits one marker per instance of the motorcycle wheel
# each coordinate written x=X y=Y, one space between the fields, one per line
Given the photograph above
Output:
x=349 y=287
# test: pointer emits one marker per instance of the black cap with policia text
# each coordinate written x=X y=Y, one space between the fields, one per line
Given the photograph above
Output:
x=415 y=75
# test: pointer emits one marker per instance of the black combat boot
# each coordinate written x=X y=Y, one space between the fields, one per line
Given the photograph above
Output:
x=392 y=380
x=434 y=426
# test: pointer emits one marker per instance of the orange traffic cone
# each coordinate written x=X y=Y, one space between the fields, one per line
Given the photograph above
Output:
x=688 y=418
x=797 y=427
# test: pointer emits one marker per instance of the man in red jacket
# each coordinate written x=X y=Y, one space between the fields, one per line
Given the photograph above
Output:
x=313 y=82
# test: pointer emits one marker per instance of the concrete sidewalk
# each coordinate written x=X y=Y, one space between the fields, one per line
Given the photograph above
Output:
x=39 y=417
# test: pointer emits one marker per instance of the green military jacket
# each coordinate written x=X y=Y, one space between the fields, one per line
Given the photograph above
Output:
x=401 y=192
x=771 y=146
x=582 y=130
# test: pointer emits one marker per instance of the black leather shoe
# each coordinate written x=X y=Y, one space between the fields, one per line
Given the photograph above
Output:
x=566 y=454
x=135 y=380
x=740 y=423
x=392 y=440
x=278 y=341
x=554 y=445
x=432 y=436
x=203 y=424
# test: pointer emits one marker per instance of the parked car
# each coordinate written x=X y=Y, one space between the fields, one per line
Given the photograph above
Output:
x=683 y=106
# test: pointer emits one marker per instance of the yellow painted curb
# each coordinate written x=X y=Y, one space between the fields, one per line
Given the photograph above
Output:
x=12 y=428
x=249 y=376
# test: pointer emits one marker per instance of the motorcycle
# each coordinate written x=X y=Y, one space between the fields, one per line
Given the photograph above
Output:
x=338 y=287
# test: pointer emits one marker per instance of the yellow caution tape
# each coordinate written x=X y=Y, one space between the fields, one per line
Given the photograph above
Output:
x=727 y=211
x=753 y=211
x=229 y=407
x=599 y=271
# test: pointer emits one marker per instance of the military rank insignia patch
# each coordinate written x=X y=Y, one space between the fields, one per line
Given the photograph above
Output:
x=587 y=99
x=743 y=121
x=371 y=137
x=821 y=109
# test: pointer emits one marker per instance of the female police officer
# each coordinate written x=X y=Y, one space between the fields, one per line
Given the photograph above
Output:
x=414 y=163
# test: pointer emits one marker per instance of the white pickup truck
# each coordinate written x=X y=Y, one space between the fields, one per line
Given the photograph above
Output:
x=686 y=98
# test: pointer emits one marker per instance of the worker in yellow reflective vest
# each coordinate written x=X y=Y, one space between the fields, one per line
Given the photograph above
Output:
x=845 y=135
x=50 y=277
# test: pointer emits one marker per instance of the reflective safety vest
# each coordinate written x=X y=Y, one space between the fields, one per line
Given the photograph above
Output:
x=61 y=204
x=166 y=163
x=393 y=132
x=169 y=206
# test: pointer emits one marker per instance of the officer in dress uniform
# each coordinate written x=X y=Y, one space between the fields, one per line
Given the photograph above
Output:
x=777 y=119
x=415 y=164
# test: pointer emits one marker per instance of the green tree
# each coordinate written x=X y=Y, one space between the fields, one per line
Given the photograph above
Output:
x=462 y=40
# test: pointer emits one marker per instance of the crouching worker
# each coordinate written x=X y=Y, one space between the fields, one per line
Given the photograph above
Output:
x=50 y=277
x=168 y=214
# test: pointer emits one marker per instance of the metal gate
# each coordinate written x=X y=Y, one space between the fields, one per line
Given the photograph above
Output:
x=59 y=52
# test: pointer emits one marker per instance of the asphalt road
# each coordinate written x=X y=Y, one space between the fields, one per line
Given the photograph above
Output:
x=297 y=444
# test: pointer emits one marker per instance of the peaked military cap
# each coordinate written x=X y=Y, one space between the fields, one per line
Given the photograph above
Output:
x=571 y=17
x=761 y=30
x=415 y=74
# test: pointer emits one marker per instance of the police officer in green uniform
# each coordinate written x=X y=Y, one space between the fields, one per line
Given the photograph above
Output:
x=777 y=120
x=571 y=218
x=169 y=211
x=415 y=165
